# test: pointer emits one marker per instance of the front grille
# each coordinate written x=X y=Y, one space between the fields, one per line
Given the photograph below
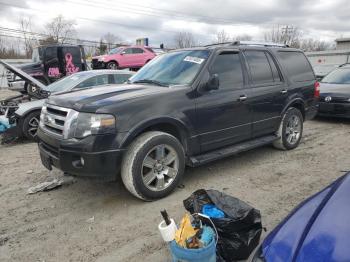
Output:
x=53 y=119
x=336 y=99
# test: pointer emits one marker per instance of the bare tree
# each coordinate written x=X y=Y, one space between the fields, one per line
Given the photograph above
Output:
x=61 y=29
x=111 y=40
x=29 y=40
x=287 y=34
x=184 y=40
x=310 y=44
x=244 y=37
x=222 y=37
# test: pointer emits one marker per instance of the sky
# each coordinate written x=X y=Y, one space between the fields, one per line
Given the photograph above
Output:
x=161 y=20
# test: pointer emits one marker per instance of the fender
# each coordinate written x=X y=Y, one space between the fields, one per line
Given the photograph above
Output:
x=28 y=107
x=181 y=129
x=294 y=100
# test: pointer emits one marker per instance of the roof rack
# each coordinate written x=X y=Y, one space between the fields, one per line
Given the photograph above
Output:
x=253 y=43
x=250 y=43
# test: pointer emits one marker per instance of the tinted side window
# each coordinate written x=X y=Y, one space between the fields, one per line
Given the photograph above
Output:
x=94 y=81
x=137 y=51
x=121 y=78
x=259 y=67
x=229 y=69
x=50 y=54
x=127 y=51
x=296 y=65
x=275 y=72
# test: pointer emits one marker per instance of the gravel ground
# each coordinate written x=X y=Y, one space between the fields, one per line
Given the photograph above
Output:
x=95 y=221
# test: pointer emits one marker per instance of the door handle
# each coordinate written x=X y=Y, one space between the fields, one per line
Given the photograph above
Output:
x=284 y=91
x=242 y=98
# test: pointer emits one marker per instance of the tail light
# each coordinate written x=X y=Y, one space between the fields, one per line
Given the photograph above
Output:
x=317 y=89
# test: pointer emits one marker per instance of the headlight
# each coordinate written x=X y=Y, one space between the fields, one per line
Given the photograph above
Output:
x=93 y=124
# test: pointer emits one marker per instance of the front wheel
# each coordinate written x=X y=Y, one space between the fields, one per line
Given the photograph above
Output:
x=31 y=125
x=153 y=165
x=291 y=130
x=112 y=65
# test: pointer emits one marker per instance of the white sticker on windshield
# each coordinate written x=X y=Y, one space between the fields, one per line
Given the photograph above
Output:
x=75 y=78
x=193 y=59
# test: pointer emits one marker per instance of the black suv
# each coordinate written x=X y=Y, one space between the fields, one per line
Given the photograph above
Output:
x=186 y=107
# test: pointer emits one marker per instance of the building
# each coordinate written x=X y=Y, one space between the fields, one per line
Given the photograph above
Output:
x=343 y=43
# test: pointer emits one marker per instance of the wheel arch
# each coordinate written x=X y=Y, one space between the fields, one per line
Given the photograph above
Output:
x=168 y=125
x=298 y=103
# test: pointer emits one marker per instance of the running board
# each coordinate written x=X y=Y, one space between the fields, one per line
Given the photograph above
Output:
x=231 y=150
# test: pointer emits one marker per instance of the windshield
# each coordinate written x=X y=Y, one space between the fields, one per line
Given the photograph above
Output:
x=115 y=51
x=67 y=83
x=338 y=76
x=175 y=68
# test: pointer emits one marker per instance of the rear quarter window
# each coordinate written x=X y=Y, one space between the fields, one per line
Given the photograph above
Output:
x=296 y=65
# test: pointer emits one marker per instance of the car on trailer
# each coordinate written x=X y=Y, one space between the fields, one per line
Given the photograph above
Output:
x=133 y=57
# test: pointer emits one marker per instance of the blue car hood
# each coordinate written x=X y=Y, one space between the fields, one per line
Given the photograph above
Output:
x=317 y=230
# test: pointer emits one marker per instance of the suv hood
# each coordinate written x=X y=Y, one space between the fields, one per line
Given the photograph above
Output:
x=317 y=230
x=23 y=75
x=91 y=100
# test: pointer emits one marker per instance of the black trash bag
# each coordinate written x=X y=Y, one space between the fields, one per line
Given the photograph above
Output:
x=239 y=232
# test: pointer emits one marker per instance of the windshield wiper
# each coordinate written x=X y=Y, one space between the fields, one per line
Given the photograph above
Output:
x=149 y=81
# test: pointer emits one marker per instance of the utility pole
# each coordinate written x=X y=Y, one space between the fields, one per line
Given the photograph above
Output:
x=287 y=31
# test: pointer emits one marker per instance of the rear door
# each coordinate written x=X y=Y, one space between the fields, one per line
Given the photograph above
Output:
x=223 y=116
x=139 y=56
x=268 y=92
x=71 y=60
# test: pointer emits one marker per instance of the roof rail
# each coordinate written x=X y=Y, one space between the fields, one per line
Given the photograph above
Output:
x=253 y=43
x=249 y=43
x=223 y=43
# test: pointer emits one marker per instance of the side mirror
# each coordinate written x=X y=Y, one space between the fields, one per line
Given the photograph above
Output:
x=213 y=83
x=123 y=53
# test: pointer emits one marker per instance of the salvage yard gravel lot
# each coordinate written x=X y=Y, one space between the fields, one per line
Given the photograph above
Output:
x=96 y=221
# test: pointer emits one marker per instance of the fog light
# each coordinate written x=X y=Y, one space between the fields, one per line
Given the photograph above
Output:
x=79 y=162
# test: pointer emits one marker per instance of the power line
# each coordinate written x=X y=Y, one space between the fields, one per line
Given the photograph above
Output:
x=138 y=9
x=101 y=21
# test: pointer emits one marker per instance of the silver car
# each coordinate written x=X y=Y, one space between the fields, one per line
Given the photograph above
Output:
x=28 y=113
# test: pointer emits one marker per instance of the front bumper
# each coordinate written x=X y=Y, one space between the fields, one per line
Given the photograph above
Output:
x=341 y=110
x=87 y=157
x=98 y=64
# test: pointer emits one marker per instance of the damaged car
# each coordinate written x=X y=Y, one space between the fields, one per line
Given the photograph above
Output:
x=23 y=111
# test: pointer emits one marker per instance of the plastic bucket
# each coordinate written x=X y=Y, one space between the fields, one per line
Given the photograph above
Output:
x=205 y=254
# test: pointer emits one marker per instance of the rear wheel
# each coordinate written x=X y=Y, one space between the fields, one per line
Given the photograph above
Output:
x=30 y=125
x=112 y=65
x=153 y=165
x=291 y=130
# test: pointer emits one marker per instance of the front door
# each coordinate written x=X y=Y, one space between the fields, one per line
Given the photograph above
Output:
x=223 y=116
x=268 y=91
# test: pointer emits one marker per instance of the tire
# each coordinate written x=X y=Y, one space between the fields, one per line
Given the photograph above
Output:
x=30 y=125
x=112 y=65
x=290 y=131
x=140 y=160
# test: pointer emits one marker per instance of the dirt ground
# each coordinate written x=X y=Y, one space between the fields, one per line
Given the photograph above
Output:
x=95 y=221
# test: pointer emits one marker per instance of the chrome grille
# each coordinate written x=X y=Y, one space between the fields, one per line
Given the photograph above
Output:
x=56 y=120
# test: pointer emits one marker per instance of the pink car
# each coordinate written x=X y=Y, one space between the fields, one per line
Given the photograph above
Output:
x=124 y=57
